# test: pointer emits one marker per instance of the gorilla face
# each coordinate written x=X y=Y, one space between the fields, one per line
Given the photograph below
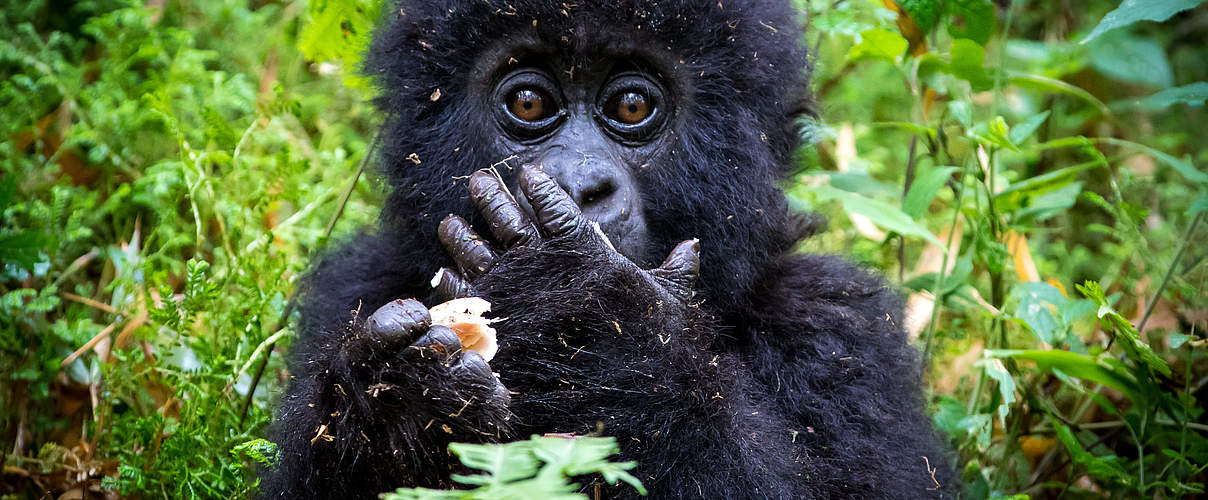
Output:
x=665 y=122
x=590 y=125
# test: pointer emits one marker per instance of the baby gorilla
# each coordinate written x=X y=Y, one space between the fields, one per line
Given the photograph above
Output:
x=737 y=368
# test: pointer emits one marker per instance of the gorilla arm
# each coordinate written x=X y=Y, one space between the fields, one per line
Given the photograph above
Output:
x=590 y=338
x=828 y=346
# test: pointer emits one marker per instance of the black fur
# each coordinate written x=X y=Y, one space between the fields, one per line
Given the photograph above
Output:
x=790 y=377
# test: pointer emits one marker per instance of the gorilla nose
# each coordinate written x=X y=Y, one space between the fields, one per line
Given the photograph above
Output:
x=590 y=192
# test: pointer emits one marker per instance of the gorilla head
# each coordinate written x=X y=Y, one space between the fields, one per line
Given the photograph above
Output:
x=663 y=120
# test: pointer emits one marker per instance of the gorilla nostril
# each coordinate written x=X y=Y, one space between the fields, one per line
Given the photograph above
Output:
x=597 y=193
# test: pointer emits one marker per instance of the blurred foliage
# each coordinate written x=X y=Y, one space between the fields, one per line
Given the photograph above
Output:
x=1032 y=173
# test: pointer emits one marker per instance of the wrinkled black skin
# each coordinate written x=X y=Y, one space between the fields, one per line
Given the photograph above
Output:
x=786 y=375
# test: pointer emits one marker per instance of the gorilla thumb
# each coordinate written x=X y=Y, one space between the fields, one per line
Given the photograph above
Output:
x=681 y=268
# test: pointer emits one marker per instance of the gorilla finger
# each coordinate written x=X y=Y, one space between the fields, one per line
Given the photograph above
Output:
x=449 y=285
x=439 y=340
x=468 y=250
x=505 y=218
x=399 y=319
x=682 y=266
x=472 y=366
x=556 y=212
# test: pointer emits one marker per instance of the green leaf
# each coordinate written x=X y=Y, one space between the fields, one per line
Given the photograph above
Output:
x=1193 y=95
x=878 y=44
x=972 y=19
x=1106 y=467
x=1131 y=11
x=577 y=457
x=502 y=462
x=968 y=59
x=1184 y=167
x=1019 y=194
x=1006 y=384
x=23 y=248
x=1037 y=304
x=262 y=451
x=924 y=13
x=879 y=212
x=994 y=133
x=926 y=184
x=1178 y=339
x=1052 y=85
x=1022 y=131
x=1132 y=59
x=1199 y=205
x=1079 y=366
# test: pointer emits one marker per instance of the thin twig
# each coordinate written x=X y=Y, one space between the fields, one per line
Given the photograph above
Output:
x=1178 y=256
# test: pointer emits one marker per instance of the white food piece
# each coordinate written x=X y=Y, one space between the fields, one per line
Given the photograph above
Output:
x=464 y=317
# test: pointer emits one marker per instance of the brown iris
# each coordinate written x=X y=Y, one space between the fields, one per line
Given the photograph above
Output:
x=628 y=107
x=530 y=105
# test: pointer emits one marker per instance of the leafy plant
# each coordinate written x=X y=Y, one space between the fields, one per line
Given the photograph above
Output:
x=542 y=467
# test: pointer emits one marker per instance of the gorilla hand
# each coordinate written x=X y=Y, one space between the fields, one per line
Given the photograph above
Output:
x=559 y=222
x=402 y=361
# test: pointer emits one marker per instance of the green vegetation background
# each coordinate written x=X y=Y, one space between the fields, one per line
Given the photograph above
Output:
x=167 y=166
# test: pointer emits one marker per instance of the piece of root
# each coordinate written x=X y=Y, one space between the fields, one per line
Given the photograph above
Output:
x=465 y=317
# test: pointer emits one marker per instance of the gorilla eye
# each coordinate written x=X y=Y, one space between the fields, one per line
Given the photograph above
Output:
x=628 y=107
x=531 y=105
x=631 y=108
x=528 y=105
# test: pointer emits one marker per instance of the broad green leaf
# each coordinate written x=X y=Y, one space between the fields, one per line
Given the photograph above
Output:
x=878 y=44
x=1037 y=307
x=1079 y=366
x=1132 y=59
x=1178 y=339
x=502 y=462
x=962 y=111
x=1022 y=131
x=1193 y=95
x=924 y=13
x=879 y=212
x=858 y=181
x=577 y=457
x=1131 y=11
x=926 y=184
x=968 y=59
x=972 y=19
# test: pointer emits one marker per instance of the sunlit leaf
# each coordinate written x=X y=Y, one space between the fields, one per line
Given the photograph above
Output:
x=1131 y=11
x=880 y=213
x=878 y=44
